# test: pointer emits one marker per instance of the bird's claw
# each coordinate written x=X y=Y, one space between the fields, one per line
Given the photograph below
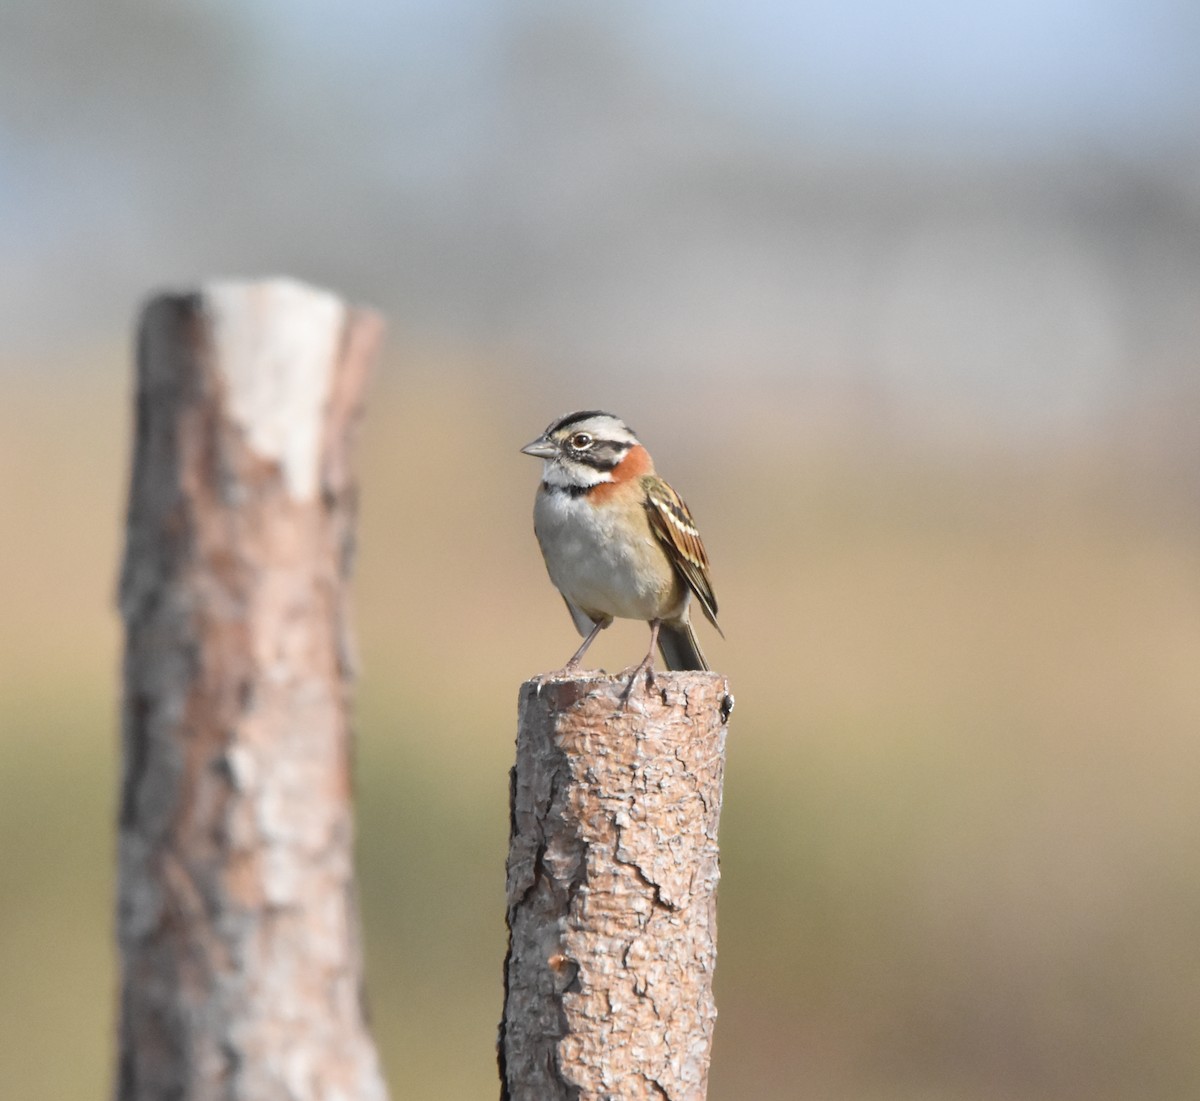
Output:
x=634 y=672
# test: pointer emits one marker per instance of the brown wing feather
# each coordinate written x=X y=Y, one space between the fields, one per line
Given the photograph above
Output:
x=671 y=521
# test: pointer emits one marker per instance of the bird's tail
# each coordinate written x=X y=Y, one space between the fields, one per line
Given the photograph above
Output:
x=679 y=648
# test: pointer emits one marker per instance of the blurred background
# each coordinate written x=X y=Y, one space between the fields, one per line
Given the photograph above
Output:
x=905 y=299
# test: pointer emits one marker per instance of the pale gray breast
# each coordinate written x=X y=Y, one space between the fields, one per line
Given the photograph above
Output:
x=603 y=565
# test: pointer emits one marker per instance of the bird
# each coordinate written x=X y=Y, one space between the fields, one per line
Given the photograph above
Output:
x=618 y=541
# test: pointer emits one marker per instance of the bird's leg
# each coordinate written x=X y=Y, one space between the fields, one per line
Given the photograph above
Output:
x=576 y=657
x=646 y=665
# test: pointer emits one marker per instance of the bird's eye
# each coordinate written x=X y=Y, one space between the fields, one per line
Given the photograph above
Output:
x=581 y=441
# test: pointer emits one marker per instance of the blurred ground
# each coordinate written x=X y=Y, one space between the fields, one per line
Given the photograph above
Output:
x=959 y=836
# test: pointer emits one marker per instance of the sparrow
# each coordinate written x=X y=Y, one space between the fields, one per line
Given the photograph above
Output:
x=618 y=541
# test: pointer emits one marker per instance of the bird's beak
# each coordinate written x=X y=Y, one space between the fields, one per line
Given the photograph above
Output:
x=541 y=448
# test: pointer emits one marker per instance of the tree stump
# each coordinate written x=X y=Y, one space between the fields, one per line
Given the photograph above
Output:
x=612 y=876
x=237 y=923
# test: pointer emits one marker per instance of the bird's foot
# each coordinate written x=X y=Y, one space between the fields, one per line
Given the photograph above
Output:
x=634 y=673
x=567 y=671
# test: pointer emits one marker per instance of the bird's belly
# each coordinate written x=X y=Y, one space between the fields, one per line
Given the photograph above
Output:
x=604 y=568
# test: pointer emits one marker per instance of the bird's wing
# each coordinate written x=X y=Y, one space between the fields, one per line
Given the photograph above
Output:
x=673 y=525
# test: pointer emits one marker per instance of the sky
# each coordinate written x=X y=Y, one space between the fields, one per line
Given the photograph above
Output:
x=1022 y=72
x=1030 y=74
x=991 y=196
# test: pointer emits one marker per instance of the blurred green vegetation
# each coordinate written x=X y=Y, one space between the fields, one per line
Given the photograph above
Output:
x=960 y=831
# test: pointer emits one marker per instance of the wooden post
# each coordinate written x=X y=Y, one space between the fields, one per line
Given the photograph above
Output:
x=612 y=876
x=237 y=926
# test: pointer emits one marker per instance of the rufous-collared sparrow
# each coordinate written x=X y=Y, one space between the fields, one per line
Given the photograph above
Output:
x=618 y=541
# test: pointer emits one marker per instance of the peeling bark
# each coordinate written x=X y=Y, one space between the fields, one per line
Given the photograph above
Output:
x=241 y=975
x=612 y=877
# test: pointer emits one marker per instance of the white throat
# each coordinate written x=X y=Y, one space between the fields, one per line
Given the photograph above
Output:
x=554 y=473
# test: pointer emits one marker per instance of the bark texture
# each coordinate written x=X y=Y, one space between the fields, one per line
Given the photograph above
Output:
x=241 y=977
x=612 y=877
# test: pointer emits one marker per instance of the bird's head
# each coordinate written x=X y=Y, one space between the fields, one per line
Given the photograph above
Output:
x=582 y=449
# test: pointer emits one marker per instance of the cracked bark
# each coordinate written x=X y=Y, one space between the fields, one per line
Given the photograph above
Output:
x=612 y=876
x=237 y=926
